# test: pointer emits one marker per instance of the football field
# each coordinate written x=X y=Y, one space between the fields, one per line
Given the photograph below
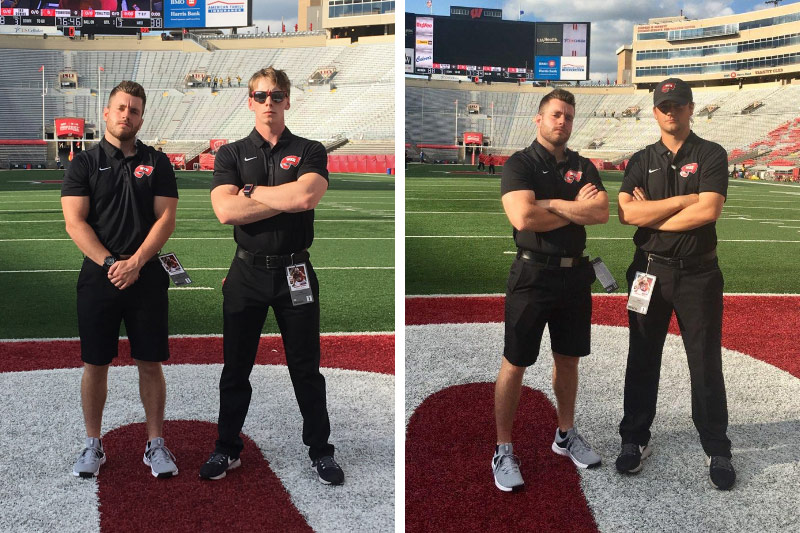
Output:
x=353 y=252
x=458 y=239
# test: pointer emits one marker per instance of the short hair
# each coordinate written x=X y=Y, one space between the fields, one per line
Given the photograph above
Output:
x=558 y=94
x=132 y=88
x=278 y=77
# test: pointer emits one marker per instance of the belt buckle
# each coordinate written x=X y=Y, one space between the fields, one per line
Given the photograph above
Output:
x=566 y=262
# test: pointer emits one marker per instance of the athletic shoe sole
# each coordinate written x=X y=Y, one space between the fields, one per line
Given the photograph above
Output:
x=90 y=475
x=515 y=488
x=645 y=454
x=235 y=464
x=563 y=451
x=162 y=475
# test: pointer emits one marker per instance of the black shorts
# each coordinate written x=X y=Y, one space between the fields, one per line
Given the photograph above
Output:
x=559 y=297
x=102 y=307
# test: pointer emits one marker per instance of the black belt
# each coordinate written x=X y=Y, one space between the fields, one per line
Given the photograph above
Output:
x=681 y=262
x=550 y=260
x=272 y=261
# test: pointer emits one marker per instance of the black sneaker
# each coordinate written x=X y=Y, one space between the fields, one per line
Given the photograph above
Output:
x=217 y=465
x=720 y=472
x=329 y=472
x=630 y=458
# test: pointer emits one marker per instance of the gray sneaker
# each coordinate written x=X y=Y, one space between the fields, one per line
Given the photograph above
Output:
x=160 y=459
x=576 y=448
x=505 y=466
x=90 y=459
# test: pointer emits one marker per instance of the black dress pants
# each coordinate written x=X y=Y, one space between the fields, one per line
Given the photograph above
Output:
x=248 y=293
x=695 y=294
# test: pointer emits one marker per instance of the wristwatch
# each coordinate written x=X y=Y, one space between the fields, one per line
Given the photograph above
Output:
x=248 y=190
x=110 y=260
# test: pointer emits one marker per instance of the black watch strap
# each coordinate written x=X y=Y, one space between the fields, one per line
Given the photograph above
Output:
x=108 y=261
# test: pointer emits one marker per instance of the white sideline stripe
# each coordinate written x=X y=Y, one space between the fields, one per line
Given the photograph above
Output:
x=224 y=239
x=191 y=289
x=209 y=336
x=193 y=269
x=602 y=294
x=588 y=238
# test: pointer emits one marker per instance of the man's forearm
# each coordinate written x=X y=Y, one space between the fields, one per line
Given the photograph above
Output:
x=156 y=238
x=541 y=220
x=87 y=241
x=689 y=218
x=643 y=213
x=292 y=197
x=585 y=212
x=236 y=210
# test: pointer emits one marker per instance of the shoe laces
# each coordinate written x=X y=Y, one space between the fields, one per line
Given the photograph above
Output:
x=160 y=455
x=89 y=455
x=508 y=463
x=217 y=458
x=577 y=442
x=721 y=463
x=327 y=462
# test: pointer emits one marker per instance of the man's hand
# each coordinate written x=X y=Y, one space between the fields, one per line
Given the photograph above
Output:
x=124 y=273
x=587 y=192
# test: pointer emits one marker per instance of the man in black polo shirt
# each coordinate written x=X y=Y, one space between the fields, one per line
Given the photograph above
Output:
x=673 y=191
x=549 y=194
x=267 y=186
x=119 y=200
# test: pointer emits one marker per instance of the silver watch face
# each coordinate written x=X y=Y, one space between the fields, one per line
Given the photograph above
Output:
x=110 y=260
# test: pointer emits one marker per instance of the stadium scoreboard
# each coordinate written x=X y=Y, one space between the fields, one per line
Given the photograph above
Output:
x=477 y=43
x=147 y=15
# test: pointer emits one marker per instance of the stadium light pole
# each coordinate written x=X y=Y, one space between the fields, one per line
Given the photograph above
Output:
x=455 y=137
x=44 y=135
x=99 y=101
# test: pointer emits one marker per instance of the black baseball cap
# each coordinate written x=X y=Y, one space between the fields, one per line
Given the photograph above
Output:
x=672 y=90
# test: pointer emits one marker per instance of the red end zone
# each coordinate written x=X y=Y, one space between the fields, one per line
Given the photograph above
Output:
x=368 y=353
x=761 y=326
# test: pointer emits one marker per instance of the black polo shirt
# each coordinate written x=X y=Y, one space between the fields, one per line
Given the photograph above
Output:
x=535 y=169
x=699 y=166
x=121 y=191
x=254 y=160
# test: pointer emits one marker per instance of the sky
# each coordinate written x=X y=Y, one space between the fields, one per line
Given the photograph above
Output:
x=612 y=20
x=269 y=13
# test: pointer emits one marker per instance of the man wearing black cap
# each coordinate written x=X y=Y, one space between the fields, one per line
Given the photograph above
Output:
x=673 y=191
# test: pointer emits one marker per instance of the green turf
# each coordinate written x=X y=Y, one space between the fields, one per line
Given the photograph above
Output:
x=458 y=240
x=354 y=230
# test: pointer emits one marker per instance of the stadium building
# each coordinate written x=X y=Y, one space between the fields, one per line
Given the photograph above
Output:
x=760 y=46
x=745 y=73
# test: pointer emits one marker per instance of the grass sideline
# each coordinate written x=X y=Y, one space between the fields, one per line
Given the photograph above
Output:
x=458 y=240
x=353 y=253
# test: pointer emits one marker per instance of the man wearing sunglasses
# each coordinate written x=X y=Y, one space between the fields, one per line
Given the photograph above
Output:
x=267 y=186
x=674 y=191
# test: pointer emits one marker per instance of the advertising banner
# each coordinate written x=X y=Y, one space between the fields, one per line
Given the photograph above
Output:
x=423 y=46
x=473 y=137
x=548 y=39
x=69 y=127
x=177 y=160
x=547 y=67
x=574 y=40
x=205 y=13
x=573 y=68
x=409 y=60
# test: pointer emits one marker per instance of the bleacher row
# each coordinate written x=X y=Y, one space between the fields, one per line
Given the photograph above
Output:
x=430 y=118
x=361 y=106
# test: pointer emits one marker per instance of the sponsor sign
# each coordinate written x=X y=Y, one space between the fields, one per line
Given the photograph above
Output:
x=409 y=60
x=473 y=137
x=69 y=127
x=205 y=13
x=573 y=68
x=423 y=47
x=547 y=67
x=574 y=38
x=549 y=39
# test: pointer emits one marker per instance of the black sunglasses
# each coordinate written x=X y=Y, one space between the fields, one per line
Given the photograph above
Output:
x=666 y=107
x=261 y=96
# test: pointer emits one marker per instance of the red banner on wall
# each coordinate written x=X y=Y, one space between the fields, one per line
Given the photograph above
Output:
x=216 y=144
x=177 y=160
x=69 y=127
x=473 y=137
x=207 y=161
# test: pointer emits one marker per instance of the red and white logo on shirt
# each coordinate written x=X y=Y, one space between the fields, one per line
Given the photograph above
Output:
x=573 y=175
x=290 y=161
x=687 y=169
x=142 y=171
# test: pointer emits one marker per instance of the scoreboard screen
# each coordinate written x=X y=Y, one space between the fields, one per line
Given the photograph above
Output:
x=130 y=16
x=496 y=49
